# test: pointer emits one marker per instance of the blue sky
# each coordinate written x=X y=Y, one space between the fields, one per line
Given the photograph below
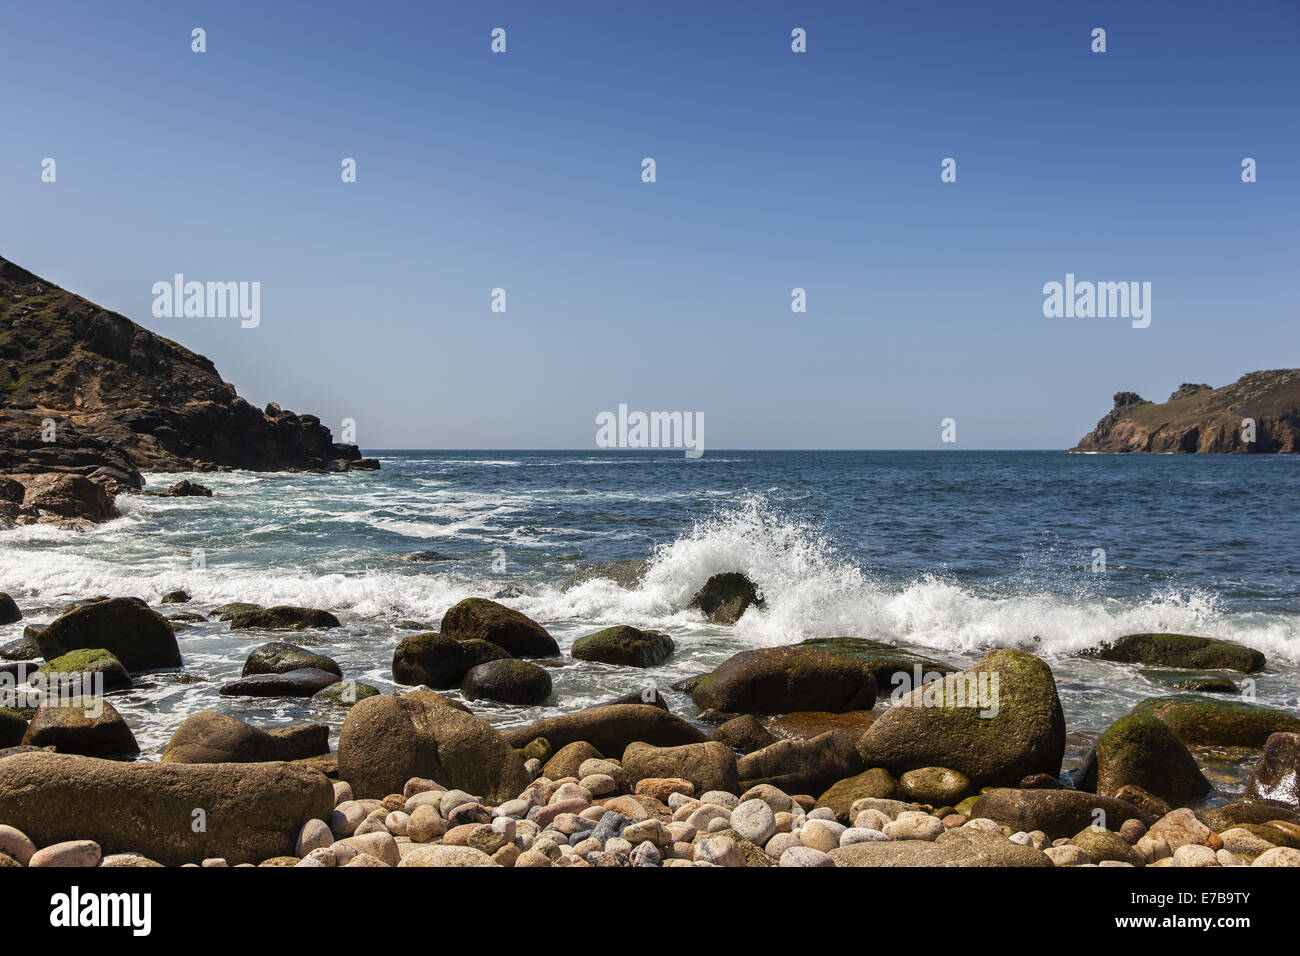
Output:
x=775 y=170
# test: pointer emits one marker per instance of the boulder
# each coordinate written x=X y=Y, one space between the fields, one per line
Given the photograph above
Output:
x=934 y=786
x=626 y=574
x=625 y=646
x=568 y=760
x=744 y=734
x=801 y=766
x=1218 y=723
x=777 y=680
x=610 y=728
x=251 y=812
x=90 y=726
x=1246 y=813
x=304 y=682
x=211 y=737
x=996 y=723
x=509 y=681
x=959 y=847
x=9 y=613
x=725 y=597
x=68 y=499
x=387 y=740
x=892 y=666
x=436 y=660
x=140 y=637
x=345 y=693
x=1102 y=844
x=1058 y=813
x=497 y=624
x=224 y=612
x=13 y=726
x=279 y=657
x=92 y=671
x=283 y=617
x=23 y=648
x=874 y=783
x=176 y=597
x=1181 y=651
x=708 y=766
x=1277 y=775
x=1138 y=749
x=806 y=724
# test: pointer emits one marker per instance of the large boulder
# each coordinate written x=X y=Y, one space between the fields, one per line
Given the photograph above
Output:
x=725 y=597
x=1218 y=723
x=92 y=671
x=960 y=847
x=1139 y=750
x=137 y=635
x=777 y=680
x=1058 y=813
x=509 y=681
x=9 y=613
x=282 y=617
x=624 y=645
x=486 y=620
x=249 y=812
x=303 y=682
x=1180 y=650
x=892 y=666
x=438 y=661
x=211 y=737
x=996 y=723
x=280 y=657
x=708 y=766
x=386 y=740
x=71 y=500
x=610 y=728
x=801 y=766
x=90 y=726
x=1276 y=777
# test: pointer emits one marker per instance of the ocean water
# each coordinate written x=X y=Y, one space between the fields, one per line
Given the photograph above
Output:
x=950 y=552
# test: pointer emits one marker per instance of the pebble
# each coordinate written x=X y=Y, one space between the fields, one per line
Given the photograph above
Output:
x=78 y=853
x=805 y=856
x=754 y=820
x=914 y=825
x=719 y=851
x=14 y=843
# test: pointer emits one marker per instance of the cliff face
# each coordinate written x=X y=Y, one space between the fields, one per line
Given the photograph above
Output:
x=123 y=399
x=1198 y=418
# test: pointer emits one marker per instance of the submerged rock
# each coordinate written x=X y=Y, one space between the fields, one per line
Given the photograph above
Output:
x=140 y=637
x=304 y=682
x=1180 y=650
x=439 y=661
x=626 y=574
x=486 y=620
x=725 y=597
x=344 y=694
x=282 y=617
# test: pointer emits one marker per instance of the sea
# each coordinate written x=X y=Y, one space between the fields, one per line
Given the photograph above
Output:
x=951 y=553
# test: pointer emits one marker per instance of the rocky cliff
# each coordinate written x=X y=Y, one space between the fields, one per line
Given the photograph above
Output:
x=1198 y=418
x=88 y=393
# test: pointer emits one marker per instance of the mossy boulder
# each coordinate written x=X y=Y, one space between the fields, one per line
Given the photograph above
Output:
x=344 y=694
x=1139 y=750
x=725 y=597
x=996 y=723
x=892 y=666
x=12 y=727
x=624 y=645
x=283 y=617
x=140 y=637
x=280 y=657
x=777 y=680
x=82 y=669
x=1180 y=650
x=89 y=726
x=517 y=634
x=877 y=783
x=1203 y=721
x=509 y=681
x=439 y=661
x=224 y=612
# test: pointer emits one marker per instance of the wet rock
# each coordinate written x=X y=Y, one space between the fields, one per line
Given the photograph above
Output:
x=1277 y=775
x=1142 y=751
x=893 y=667
x=518 y=635
x=9 y=613
x=279 y=657
x=81 y=725
x=806 y=724
x=212 y=737
x=1220 y=723
x=140 y=637
x=436 y=660
x=175 y=597
x=90 y=671
x=509 y=681
x=345 y=693
x=24 y=648
x=281 y=618
x=777 y=680
x=224 y=612
x=1181 y=651
x=625 y=646
x=626 y=574
x=995 y=723
x=304 y=682
x=744 y=734
x=725 y=597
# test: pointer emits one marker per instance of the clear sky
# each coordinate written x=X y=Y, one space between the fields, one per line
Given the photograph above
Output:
x=775 y=170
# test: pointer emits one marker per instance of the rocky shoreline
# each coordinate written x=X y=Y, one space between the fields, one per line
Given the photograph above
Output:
x=790 y=759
